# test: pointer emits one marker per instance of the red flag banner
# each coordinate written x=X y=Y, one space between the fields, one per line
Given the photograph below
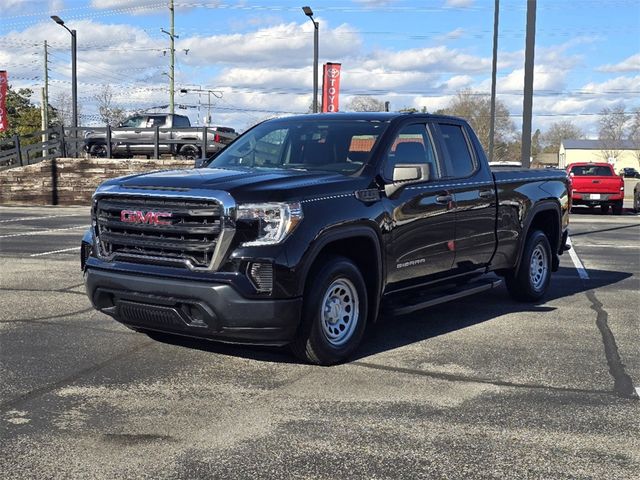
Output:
x=331 y=87
x=4 y=121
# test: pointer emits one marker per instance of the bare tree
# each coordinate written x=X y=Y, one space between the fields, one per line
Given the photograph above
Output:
x=365 y=103
x=634 y=133
x=612 y=131
x=62 y=103
x=476 y=109
x=109 y=113
x=559 y=131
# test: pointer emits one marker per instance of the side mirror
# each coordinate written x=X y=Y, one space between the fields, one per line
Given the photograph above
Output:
x=199 y=162
x=406 y=174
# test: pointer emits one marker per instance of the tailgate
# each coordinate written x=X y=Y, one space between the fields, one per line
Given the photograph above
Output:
x=585 y=184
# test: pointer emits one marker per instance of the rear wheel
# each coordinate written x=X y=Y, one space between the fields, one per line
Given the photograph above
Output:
x=334 y=313
x=617 y=208
x=189 y=152
x=604 y=208
x=531 y=281
x=98 y=150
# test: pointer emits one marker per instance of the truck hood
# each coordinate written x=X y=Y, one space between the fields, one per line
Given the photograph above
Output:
x=243 y=184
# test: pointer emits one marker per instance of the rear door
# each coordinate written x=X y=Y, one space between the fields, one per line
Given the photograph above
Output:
x=422 y=216
x=472 y=186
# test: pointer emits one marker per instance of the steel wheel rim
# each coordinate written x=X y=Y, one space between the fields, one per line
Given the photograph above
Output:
x=339 y=312
x=539 y=267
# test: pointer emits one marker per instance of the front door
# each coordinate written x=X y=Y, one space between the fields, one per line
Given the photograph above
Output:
x=422 y=216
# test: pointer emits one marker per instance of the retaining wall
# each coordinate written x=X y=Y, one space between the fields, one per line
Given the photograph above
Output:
x=70 y=181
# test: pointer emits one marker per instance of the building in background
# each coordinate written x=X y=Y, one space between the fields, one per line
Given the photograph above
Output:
x=627 y=155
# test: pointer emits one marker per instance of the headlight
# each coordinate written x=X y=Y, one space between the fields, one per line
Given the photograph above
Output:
x=274 y=220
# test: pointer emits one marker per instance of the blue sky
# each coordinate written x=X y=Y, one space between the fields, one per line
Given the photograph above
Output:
x=258 y=53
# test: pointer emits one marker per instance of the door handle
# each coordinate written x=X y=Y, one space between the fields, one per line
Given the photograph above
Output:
x=444 y=199
x=486 y=194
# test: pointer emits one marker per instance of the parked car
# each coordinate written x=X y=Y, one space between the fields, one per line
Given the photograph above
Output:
x=305 y=228
x=136 y=136
x=596 y=184
x=636 y=198
x=630 y=172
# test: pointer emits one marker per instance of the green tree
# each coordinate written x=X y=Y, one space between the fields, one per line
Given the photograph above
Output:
x=24 y=117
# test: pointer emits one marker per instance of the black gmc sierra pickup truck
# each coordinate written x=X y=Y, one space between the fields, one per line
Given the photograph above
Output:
x=305 y=229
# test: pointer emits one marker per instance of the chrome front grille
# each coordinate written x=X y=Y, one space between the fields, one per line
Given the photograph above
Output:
x=188 y=233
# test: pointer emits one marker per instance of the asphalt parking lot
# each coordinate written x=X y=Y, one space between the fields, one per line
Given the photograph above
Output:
x=481 y=388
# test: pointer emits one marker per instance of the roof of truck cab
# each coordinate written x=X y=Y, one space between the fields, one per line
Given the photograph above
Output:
x=370 y=116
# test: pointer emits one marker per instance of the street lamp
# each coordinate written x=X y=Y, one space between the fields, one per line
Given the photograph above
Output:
x=309 y=13
x=74 y=78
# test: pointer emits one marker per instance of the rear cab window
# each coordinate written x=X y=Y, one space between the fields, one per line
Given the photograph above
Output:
x=461 y=162
x=591 y=171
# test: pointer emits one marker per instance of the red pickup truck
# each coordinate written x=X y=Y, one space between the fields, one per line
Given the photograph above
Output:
x=596 y=184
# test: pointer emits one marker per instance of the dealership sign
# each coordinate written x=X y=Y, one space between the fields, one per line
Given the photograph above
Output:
x=331 y=87
x=4 y=123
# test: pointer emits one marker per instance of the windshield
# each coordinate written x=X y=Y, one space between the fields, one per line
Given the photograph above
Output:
x=341 y=146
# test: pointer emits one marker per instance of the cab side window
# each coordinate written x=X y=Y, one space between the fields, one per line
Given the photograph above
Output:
x=412 y=145
x=460 y=161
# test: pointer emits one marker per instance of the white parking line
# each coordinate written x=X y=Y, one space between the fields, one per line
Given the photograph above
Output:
x=582 y=272
x=40 y=218
x=42 y=232
x=54 y=251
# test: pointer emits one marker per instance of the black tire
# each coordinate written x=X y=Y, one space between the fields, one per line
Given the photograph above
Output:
x=98 y=150
x=189 y=152
x=531 y=281
x=617 y=208
x=333 y=320
x=604 y=208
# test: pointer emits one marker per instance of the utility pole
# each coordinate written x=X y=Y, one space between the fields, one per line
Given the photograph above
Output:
x=172 y=56
x=494 y=68
x=173 y=59
x=45 y=99
x=527 y=105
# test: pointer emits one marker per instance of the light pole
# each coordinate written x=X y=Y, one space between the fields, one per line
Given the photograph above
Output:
x=316 y=26
x=74 y=78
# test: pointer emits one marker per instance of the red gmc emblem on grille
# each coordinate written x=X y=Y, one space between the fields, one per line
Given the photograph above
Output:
x=150 y=218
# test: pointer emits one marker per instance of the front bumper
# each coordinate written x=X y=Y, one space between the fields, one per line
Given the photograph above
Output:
x=192 y=308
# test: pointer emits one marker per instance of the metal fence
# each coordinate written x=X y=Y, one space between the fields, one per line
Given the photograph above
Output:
x=108 y=142
x=22 y=150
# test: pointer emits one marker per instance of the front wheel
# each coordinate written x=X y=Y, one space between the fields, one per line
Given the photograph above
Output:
x=334 y=312
x=530 y=282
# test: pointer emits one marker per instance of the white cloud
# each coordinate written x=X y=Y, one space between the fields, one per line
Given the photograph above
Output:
x=284 y=45
x=630 y=64
x=431 y=60
x=458 y=3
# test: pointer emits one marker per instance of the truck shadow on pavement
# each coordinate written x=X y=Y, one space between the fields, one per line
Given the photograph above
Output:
x=391 y=332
